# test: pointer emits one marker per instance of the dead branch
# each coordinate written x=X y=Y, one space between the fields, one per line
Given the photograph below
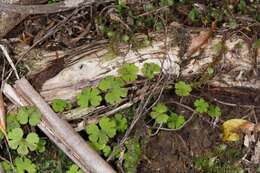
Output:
x=60 y=132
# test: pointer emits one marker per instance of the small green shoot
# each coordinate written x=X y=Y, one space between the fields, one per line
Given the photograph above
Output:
x=149 y=70
x=175 y=121
x=159 y=113
x=128 y=72
x=201 y=105
x=59 y=105
x=74 y=169
x=193 y=15
x=89 y=97
x=29 y=114
x=114 y=89
x=182 y=89
x=17 y=142
x=214 y=111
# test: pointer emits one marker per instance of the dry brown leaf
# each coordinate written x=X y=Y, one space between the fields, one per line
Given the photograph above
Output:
x=233 y=127
x=198 y=42
x=201 y=41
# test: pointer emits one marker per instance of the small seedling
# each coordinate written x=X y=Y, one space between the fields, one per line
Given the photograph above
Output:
x=59 y=105
x=29 y=114
x=214 y=111
x=114 y=89
x=89 y=97
x=193 y=15
x=22 y=145
x=182 y=89
x=175 y=121
x=128 y=72
x=150 y=69
x=74 y=169
x=201 y=105
x=159 y=113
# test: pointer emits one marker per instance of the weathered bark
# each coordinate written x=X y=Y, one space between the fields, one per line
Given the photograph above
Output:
x=8 y=20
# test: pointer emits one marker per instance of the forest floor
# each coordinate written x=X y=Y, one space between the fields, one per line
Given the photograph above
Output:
x=194 y=145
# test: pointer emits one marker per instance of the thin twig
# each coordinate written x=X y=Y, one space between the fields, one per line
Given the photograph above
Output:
x=6 y=54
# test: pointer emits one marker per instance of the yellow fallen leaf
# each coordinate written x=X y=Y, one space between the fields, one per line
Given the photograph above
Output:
x=233 y=127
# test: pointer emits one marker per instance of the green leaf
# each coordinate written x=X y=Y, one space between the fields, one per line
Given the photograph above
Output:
x=89 y=97
x=242 y=5
x=7 y=167
x=74 y=169
x=108 y=126
x=106 y=150
x=17 y=142
x=29 y=114
x=182 y=89
x=101 y=135
x=121 y=123
x=159 y=113
x=175 y=121
x=15 y=136
x=150 y=69
x=11 y=122
x=41 y=145
x=128 y=72
x=193 y=15
x=32 y=140
x=59 y=105
x=24 y=165
x=201 y=105
x=114 y=89
x=256 y=44
x=214 y=111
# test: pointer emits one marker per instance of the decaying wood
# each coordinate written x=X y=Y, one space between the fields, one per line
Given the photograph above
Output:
x=9 y=20
x=92 y=65
x=58 y=130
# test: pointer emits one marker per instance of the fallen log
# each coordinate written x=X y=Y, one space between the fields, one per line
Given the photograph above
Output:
x=90 y=65
x=59 y=131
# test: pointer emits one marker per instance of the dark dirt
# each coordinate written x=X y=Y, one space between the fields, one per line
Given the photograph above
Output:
x=175 y=152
